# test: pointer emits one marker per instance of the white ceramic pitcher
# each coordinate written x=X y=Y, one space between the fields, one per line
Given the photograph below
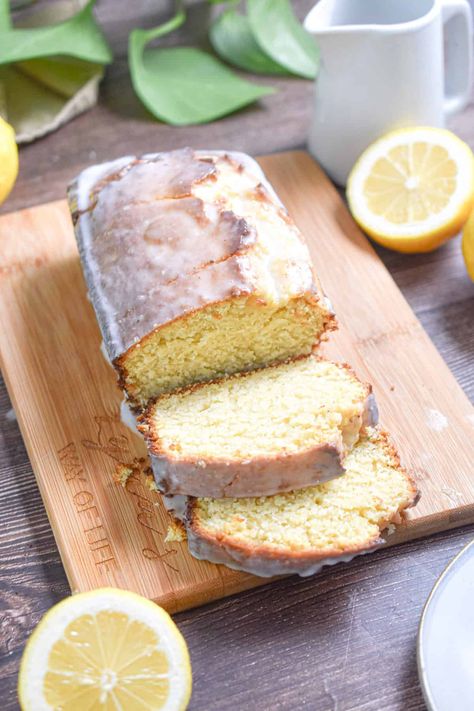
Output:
x=385 y=64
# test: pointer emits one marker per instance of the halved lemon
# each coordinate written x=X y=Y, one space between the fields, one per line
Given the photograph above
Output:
x=413 y=189
x=107 y=649
x=468 y=245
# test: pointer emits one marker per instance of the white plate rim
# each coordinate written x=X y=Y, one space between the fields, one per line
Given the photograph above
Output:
x=422 y=673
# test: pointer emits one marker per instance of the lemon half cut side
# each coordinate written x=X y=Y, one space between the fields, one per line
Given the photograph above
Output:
x=105 y=650
x=413 y=189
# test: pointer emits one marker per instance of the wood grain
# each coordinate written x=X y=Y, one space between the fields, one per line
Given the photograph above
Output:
x=343 y=640
x=67 y=403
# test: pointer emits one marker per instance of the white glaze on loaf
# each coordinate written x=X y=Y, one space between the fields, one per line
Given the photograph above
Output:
x=259 y=565
x=247 y=478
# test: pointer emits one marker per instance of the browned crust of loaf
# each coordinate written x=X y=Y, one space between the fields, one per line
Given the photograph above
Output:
x=145 y=420
x=119 y=363
x=223 y=542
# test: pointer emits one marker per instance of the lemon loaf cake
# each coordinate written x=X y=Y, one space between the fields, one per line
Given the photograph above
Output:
x=279 y=428
x=300 y=531
x=194 y=268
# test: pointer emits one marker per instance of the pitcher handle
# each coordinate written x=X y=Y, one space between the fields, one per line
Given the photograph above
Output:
x=457 y=23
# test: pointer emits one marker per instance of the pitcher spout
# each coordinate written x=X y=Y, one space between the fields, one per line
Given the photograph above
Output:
x=321 y=19
x=330 y=17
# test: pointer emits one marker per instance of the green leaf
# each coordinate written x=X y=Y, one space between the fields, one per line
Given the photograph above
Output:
x=280 y=35
x=232 y=39
x=184 y=85
x=78 y=36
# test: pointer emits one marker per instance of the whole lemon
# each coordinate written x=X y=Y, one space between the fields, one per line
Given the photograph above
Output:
x=8 y=159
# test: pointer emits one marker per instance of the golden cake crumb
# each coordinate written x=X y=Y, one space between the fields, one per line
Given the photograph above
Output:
x=150 y=481
x=121 y=473
x=176 y=533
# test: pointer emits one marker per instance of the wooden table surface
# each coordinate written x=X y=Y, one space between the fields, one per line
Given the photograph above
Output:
x=342 y=640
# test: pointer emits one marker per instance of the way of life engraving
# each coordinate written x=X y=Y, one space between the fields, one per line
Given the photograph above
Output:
x=99 y=544
x=134 y=471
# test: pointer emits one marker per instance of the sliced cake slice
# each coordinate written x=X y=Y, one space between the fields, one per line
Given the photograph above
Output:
x=254 y=434
x=300 y=531
x=194 y=268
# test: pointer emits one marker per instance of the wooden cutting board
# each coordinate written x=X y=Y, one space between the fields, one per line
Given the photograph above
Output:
x=67 y=402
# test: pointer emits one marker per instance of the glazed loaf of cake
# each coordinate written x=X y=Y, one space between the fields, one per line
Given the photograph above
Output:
x=194 y=268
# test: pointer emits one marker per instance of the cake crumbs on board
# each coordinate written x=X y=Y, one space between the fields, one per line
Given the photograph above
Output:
x=176 y=532
x=121 y=474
